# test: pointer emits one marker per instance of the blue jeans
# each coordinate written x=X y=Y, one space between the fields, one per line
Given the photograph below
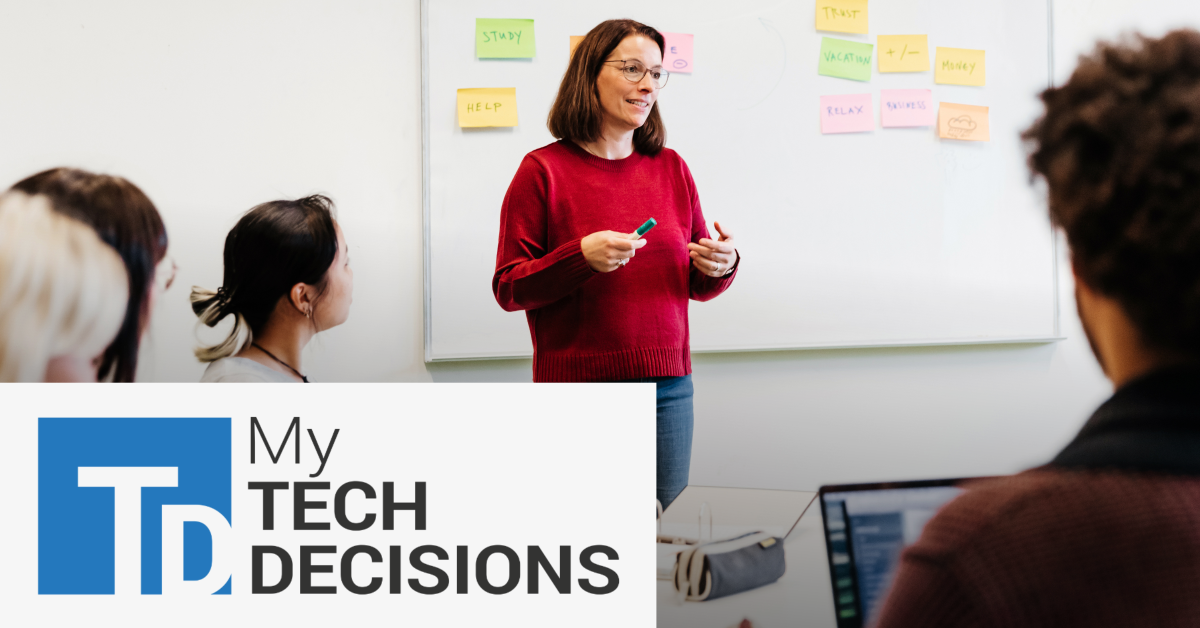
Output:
x=674 y=435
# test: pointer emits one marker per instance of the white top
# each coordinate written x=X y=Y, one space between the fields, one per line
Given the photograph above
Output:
x=243 y=370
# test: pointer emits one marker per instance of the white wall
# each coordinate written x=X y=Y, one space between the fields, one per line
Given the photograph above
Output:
x=213 y=107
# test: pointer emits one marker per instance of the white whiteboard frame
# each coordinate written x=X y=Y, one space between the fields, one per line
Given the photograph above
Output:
x=426 y=203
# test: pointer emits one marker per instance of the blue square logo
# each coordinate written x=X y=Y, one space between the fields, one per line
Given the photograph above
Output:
x=134 y=506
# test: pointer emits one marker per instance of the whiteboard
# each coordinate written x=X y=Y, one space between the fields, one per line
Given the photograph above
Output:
x=888 y=238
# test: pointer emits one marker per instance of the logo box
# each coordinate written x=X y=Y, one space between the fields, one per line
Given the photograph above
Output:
x=77 y=527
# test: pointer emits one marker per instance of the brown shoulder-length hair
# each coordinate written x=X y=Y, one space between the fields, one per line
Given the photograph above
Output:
x=577 y=112
x=126 y=220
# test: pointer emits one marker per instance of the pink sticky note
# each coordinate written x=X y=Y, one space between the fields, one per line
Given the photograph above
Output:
x=907 y=107
x=848 y=113
x=679 y=52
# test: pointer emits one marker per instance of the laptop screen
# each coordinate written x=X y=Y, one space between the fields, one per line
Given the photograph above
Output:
x=866 y=528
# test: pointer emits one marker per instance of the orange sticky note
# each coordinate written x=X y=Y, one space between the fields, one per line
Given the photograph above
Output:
x=575 y=41
x=487 y=106
x=963 y=122
x=842 y=16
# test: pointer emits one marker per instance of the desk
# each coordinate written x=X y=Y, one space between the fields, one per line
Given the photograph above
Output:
x=802 y=597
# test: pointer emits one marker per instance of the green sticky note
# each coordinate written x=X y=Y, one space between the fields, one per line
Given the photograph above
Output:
x=504 y=39
x=845 y=59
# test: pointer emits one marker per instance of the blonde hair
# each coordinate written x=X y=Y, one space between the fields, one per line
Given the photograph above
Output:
x=211 y=306
x=63 y=291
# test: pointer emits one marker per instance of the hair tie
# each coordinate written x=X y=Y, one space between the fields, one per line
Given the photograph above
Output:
x=223 y=295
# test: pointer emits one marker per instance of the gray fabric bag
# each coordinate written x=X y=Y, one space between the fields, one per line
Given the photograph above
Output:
x=720 y=568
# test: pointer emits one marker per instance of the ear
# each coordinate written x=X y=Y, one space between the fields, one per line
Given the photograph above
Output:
x=302 y=297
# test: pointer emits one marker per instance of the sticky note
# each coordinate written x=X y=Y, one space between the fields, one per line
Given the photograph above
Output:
x=963 y=122
x=907 y=107
x=958 y=66
x=842 y=16
x=903 y=53
x=487 y=106
x=845 y=59
x=504 y=39
x=849 y=113
x=679 y=52
x=575 y=41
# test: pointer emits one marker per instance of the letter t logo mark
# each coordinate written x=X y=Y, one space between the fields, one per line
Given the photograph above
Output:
x=127 y=484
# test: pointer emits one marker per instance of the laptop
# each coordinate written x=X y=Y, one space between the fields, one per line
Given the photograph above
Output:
x=866 y=528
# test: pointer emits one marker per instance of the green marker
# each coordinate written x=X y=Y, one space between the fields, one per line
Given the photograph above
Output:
x=646 y=226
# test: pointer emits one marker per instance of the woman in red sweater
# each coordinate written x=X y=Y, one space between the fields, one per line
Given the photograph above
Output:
x=566 y=255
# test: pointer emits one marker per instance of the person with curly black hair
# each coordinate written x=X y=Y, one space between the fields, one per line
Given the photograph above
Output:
x=1108 y=533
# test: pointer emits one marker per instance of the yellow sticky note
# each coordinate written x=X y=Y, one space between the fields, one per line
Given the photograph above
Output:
x=903 y=53
x=959 y=66
x=487 y=106
x=575 y=41
x=963 y=122
x=842 y=16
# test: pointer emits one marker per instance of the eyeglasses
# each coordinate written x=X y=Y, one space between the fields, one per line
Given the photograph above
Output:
x=635 y=70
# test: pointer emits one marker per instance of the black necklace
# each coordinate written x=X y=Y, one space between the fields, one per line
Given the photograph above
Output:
x=272 y=356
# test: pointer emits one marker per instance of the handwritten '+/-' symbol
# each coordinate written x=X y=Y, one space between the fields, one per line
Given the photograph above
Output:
x=890 y=51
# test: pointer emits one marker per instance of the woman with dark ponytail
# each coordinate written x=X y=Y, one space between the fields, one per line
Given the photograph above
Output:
x=287 y=277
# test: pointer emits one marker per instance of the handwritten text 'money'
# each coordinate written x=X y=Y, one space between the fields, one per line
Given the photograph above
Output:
x=959 y=66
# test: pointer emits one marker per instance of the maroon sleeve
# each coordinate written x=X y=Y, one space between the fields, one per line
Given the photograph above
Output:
x=941 y=577
x=701 y=286
x=925 y=593
x=528 y=276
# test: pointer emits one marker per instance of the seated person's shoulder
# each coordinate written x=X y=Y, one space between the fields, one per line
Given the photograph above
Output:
x=1056 y=507
x=242 y=371
x=985 y=505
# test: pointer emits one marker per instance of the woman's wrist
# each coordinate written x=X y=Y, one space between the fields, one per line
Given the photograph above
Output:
x=736 y=259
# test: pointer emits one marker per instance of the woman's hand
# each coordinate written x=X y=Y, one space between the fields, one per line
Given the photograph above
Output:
x=714 y=257
x=606 y=251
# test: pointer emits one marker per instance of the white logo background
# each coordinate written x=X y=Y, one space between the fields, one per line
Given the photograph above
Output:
x=511 y=465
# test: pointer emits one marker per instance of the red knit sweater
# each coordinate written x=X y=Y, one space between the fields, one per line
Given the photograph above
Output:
x=590 y=326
